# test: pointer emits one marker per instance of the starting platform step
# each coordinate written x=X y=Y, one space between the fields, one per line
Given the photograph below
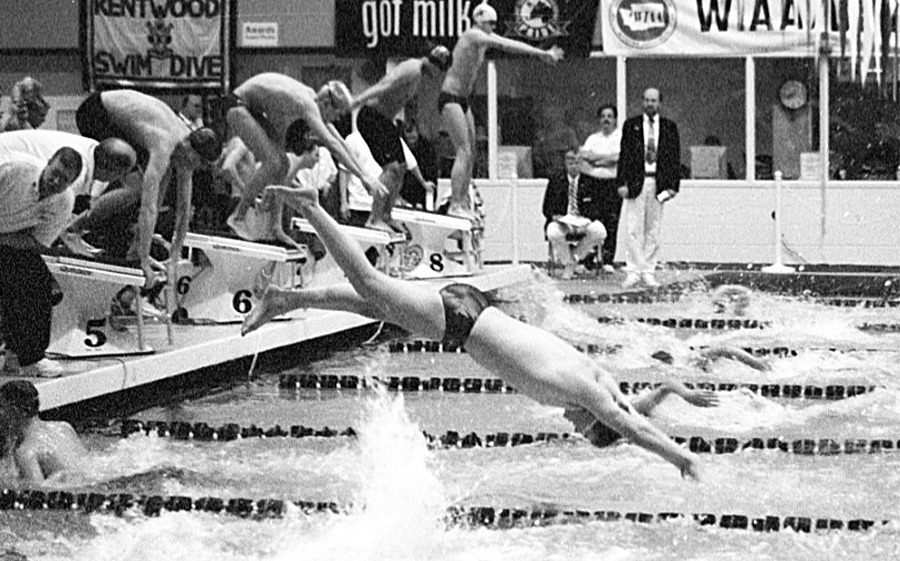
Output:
x=82 y=323
x=230 y=276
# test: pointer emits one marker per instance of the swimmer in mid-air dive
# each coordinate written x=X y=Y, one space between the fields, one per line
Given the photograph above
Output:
x=536 y=362
x=33 y=449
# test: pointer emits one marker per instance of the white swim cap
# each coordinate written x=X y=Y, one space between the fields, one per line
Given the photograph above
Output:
x=483 y=12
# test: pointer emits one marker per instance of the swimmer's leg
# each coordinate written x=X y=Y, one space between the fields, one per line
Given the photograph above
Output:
x=461 y=128
x=277 y=301
x=271 y=156
x=416 y=308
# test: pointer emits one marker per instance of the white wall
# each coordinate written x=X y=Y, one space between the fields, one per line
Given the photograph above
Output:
x=718 y=222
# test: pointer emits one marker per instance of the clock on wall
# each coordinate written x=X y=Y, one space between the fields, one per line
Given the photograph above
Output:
x=792 y=94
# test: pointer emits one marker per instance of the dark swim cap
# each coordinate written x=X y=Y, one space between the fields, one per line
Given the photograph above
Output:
x=206 y=143
x=22 y=395
x=441 y=57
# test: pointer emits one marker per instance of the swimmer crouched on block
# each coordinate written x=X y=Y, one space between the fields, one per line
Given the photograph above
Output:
x=536 y=362
x=31 y=449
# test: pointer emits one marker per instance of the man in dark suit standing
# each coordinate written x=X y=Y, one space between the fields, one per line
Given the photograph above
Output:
x=648 y=175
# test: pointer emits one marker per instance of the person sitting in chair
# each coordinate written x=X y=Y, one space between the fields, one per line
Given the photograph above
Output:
x=562 y=206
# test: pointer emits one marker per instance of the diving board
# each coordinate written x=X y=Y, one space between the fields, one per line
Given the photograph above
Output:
x=82 y=324
x=389 y=246
x=238 y=273
x=428 y=254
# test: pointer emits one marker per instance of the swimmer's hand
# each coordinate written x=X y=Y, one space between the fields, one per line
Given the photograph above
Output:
x=691 y=469
x=376 y=188
x=554 y=54
x=701 y=398
x=154 y=272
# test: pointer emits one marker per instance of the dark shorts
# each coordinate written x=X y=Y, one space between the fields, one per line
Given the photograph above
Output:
x=444 y=98
x=381 y=135
x=231 y=100
x=463 y=303
x=93 y=121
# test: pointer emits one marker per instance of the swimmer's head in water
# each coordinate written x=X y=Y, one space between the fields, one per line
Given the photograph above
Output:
x=440 y=57
x=21 y=396
x=334 y=99
x=206 y=143
x=483 y=14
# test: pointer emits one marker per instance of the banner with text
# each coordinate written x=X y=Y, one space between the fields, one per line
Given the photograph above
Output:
x=158 y=44
x=717 y=27
x=392 y=28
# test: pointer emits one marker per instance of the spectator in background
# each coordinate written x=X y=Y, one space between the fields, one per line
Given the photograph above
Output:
x=564 y=203
x=27 y=107
x=599 y=158
x=649 y=173
x=192 y=111
x=34 y=209
x=418 y=187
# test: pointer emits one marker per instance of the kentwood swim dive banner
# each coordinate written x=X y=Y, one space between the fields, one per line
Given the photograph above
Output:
x=407 y=27
x=718 y=27
x=158 y=44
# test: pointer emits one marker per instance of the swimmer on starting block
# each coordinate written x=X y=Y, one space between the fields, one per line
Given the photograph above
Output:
x=534 y=361
x=32 y=449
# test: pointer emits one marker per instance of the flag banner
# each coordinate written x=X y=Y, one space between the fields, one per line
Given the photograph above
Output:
x=395 y=28
x=158 y=44
x=718 y=27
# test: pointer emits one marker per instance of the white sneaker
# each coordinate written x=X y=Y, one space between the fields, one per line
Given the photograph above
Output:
x=44 y=368
x=630 y=280
x=608 y=269
x=650 y=280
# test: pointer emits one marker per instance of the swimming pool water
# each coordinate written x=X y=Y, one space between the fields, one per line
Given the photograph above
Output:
x=406 y=487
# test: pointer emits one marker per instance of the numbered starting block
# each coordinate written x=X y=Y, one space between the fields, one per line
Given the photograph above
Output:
x=81 y=324
x=389 y=247
x=233 y=276
x=441 y=246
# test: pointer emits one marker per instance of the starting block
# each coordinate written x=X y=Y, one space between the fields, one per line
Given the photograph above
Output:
x=237 y=272
x=427 y=256
x=81 y=324
x=388 y=245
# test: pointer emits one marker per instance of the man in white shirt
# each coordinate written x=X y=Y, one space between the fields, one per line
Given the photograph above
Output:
x=33 y=211
x=599 y=157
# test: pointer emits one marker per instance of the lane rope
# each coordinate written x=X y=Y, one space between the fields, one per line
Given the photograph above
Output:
x=453 y=439
x=668 y=297
x=496 y=385
x=491 y=517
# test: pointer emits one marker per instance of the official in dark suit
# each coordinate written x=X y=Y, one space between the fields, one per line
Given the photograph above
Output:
x=565 y=205
x=648 y=175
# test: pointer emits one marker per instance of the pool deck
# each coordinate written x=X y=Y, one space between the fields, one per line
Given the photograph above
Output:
x=200 y=346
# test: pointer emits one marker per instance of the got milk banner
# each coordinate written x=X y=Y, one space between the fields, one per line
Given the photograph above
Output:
x=717 y=27
x=391 y=28
x=158 y=44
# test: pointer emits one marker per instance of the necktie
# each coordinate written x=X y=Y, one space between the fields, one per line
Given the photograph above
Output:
x=573 y=196
x=651 y=145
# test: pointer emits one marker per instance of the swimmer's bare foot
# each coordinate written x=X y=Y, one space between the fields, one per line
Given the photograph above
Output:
x=397 y=226
x=459 y=211
x=379 y=225
x=272 y=304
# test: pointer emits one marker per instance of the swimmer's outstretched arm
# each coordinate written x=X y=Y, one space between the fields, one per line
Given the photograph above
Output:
x=552 y=55
x=645 y=404
x=734 y=353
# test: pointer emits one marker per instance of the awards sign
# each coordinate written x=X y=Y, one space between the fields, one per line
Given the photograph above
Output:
x=715 y=27
x=406 y=27
x=158 y=44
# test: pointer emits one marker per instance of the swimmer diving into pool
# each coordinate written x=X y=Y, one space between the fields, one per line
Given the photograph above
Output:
x=536 y=362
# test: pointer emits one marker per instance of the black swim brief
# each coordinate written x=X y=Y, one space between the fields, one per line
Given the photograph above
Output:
x=444 y=98
x=382 y=136
x=231 y=100
x=463 y=303
x=93 y=121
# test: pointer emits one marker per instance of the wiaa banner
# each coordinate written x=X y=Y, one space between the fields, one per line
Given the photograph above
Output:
x=717 y=27
x=158 y=44
x=395 y=28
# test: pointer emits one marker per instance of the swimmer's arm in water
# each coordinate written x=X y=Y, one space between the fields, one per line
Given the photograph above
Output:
x=740 y=355
x=646 y=403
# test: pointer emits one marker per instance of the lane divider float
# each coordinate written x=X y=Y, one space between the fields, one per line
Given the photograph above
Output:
x=466 y=516
x=496 y=385
x=454 y=439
